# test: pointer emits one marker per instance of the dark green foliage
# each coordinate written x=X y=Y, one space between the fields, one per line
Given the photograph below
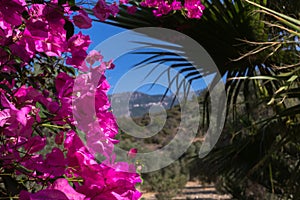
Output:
x=166 y=182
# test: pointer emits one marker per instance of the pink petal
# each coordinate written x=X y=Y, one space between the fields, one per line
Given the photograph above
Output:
x=35 y=144
x=64 y=186
x=48 y=194
x=4 y=116
x=82 y=20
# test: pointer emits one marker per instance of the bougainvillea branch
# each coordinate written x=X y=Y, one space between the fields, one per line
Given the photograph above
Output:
x=39 y=143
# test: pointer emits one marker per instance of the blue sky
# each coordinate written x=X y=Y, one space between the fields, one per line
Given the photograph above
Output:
x=101 y=32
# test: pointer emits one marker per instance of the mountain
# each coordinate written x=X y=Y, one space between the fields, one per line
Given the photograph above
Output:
x=137 y=104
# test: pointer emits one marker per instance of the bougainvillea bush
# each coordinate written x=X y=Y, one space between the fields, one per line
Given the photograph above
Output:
x=42 y=156
x=41 y=153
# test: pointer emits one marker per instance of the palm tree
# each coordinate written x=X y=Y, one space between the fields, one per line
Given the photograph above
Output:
x=255 y=49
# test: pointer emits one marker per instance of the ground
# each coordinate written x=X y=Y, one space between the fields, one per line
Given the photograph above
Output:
x=194 y=190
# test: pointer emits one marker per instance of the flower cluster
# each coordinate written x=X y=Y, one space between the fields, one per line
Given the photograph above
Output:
x=193 y=8
x=21 y=118
x=43 y=28
x=42 y=116
x=38 y=28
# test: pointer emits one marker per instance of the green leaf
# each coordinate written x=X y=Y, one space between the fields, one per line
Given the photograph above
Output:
x=292 y=79
x=289 y=21
x=71 y=70
x=53 y=126
x=42 y=110
x=71 y=3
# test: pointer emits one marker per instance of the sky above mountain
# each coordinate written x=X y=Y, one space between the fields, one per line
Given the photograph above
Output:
x=137 y=80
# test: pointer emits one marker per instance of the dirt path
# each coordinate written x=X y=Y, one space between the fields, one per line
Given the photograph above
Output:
x=194 y=190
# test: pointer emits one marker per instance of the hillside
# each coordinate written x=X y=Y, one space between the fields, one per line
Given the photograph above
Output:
x=169 y=181
x=139 y=103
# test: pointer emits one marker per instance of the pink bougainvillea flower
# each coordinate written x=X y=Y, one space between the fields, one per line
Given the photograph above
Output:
x=77 y=58
x=72 y=143
x=108 y=124
x=59 y=138
x=53 y=107
x=79 y=41
x=176 y=5
x=77 y=155
x=35 y=144
x=55 y=163
x=150 y=3
x=114 y=9
x=82 y=20
x=64 y=87
x=37 y=29
x=132 y=153
x=101 y=10
x=93 y=57
x=131 y=10
x=98 y=143
x=28 y=44
x=53 y=166
x=36 y=11
x=109 y=64
x=11 y=11
x=45 y=31
x=163 y=9
x=49 y=194
x=19 y=50
x=123 y=2
x=54 y=14
x=4 y=116
x=109 y=183
x=118 y=184
x=194 y=8
x=52 y=46
x=103 y=84
x=78 y=45
x=63 y=185
x=83 y=67
x=84 y=110
x=6 y=103
x=100 y=181
x=22 y=114
x=64 y=84
x=27 y=94
x=17 y=115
